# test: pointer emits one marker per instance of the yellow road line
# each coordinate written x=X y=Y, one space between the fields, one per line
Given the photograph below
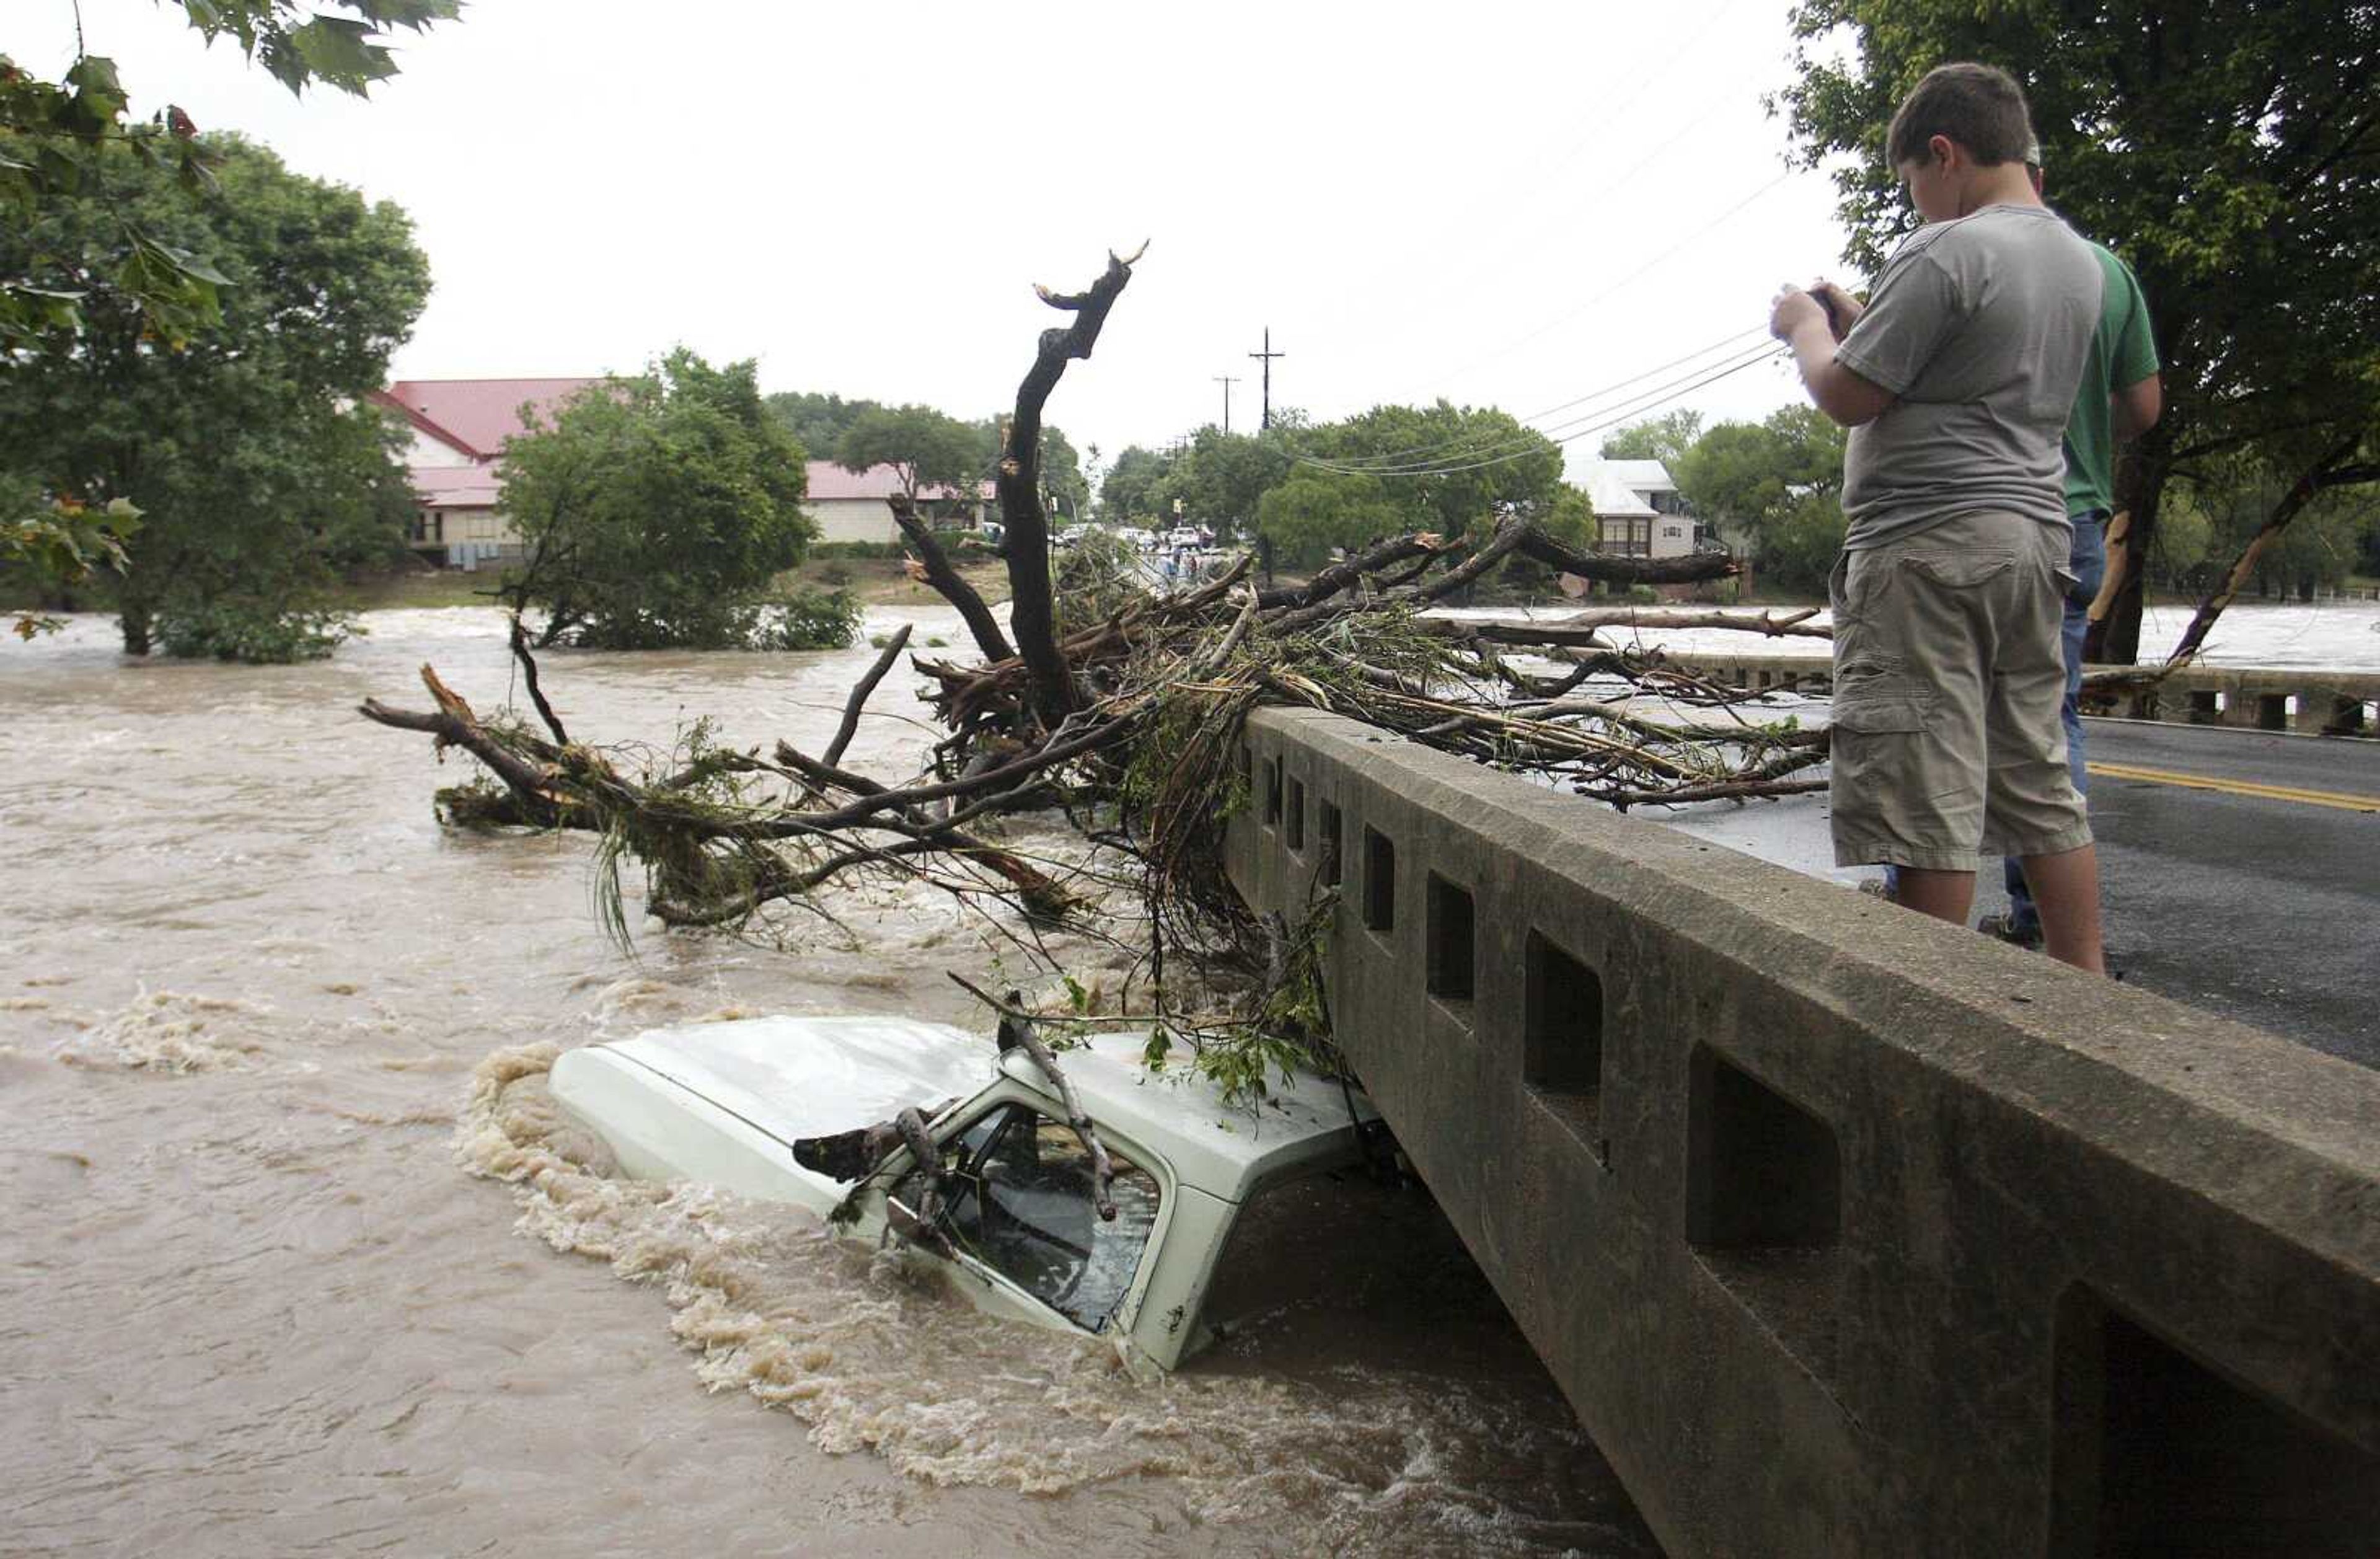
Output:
x=2340 y=799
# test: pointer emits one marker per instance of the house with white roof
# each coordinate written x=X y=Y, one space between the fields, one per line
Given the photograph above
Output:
x=1637 y=510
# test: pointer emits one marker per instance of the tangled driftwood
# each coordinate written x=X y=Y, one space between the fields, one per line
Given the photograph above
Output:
x=1119 y=705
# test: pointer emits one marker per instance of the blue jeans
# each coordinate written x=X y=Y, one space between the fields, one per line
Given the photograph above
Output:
x=2089 y=564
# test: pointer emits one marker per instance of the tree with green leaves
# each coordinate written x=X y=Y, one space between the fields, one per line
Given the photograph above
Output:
x=1314 y=512
x=57 y=139
x=2231 y=153
x=1221 y=477
x=817 y=420
x=249 y=450
x=656 y=510
x=1774 y=488
x=1665 y=438
x=1128 y=492
x=927 y=448
x=1452 y=470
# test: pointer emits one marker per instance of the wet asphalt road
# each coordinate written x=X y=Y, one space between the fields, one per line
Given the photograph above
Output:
x=2260 y=907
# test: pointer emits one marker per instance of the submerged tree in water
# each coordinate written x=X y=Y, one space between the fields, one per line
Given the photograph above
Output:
x=656 y=510
x=257 y=466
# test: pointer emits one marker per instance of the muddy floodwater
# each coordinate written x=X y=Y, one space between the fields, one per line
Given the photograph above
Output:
x=297 y=1258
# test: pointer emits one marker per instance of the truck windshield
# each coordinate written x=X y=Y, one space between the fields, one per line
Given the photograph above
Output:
x=1021 y=1205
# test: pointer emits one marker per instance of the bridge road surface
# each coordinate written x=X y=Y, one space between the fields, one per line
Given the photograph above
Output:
x=2240 y=871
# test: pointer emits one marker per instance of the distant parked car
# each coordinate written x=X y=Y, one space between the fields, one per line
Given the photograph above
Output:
x=1189 y=536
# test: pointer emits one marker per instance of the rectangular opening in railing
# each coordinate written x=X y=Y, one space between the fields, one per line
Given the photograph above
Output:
x=2158 y=1453
x=1562 y=1035
x=1453 y=948
x=1380 y=880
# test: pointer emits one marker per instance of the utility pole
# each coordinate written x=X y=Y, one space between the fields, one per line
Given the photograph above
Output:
x=1227 y=385
x=1267 y=356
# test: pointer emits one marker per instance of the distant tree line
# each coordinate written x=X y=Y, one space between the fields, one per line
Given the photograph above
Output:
x=1299 y=490
x=931 y=448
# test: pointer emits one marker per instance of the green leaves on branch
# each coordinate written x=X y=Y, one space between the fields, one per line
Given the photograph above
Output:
x=1774 y=488
x=53 y=135
x=64 y=546
x=299 y=47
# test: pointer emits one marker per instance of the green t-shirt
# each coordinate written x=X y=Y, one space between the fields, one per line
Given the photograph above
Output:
x=2123 y=354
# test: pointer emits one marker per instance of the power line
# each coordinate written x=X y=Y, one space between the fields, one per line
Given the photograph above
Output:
x=1603 y=292
x=1765 y=354
x=1392 y=456
x=1567 y=430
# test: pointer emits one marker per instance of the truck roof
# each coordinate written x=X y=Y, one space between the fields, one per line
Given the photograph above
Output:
x=793 y=1076
x=1225 y=1150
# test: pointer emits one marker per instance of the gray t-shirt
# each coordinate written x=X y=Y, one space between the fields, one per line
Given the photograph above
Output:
x=1980 y=327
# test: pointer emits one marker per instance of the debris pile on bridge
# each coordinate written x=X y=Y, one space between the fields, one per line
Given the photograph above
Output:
x=1119 y=707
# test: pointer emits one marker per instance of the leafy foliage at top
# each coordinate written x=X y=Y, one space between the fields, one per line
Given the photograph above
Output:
x=1665 y=438
x=927 y=448
x=257 y=466
x=2229 y=152
x=54 y=134
x=656 y=510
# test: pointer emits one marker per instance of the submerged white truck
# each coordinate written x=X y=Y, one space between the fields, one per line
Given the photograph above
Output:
x=723 y=1104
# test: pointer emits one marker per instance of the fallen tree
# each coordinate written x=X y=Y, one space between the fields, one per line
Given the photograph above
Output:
x=1120 y=712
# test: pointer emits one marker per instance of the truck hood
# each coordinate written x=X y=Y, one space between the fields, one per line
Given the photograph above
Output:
x=808 y=1077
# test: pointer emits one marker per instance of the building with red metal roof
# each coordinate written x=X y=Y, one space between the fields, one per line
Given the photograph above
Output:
x=458 y=428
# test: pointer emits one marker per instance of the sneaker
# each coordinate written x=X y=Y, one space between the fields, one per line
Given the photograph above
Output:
x=2005 y=927
x=1877 y=887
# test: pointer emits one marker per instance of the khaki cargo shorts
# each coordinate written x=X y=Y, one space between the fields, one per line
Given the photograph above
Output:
x=1949 y=680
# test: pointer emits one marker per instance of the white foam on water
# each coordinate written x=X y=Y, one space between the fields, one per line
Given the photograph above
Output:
x=873 y=1354
x=171 y=1031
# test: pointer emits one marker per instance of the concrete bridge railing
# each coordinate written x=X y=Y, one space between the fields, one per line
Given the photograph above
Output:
x=1846 y=1231
x=2315 y=702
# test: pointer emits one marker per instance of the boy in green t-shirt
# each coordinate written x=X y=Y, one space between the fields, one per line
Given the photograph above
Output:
x=2120 y=399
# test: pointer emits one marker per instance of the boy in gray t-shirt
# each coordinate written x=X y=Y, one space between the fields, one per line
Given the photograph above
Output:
x=1956 y=380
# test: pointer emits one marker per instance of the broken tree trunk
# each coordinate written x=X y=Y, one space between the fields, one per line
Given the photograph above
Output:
x=948 y=581
x=1032 y=615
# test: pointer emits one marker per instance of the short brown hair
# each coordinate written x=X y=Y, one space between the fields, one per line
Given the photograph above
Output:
x=1980 y=106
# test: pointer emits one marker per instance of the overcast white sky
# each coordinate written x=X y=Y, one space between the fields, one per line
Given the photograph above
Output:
x=1507 y=204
